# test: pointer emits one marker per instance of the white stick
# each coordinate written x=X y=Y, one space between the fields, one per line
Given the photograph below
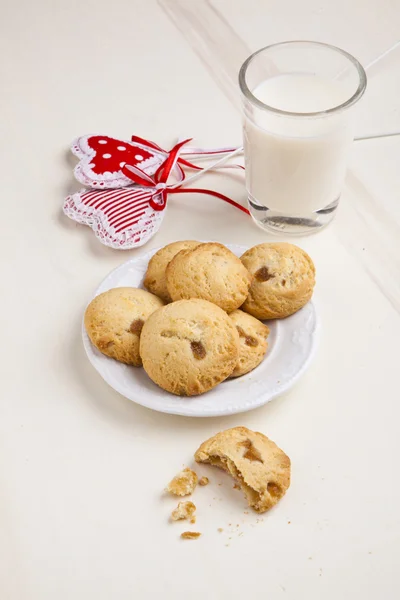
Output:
x=215 y=165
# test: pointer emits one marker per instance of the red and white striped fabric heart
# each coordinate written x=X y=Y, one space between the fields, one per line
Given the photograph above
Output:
x=122 y=218
x=127 y=202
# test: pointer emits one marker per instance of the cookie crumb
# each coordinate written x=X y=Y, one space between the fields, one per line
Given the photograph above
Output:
x=204 y=481
x=193 y=520
x=190 y=535
x=184 y=510
x=236 y=486
x=221 y=530
x=288 y=522
x=183 y=484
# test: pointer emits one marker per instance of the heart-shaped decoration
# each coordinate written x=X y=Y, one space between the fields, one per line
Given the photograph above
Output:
x=130 y=185
x=102 y=158
x=121 y=218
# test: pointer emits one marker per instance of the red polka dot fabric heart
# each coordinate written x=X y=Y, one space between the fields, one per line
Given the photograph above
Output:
x=102 y=158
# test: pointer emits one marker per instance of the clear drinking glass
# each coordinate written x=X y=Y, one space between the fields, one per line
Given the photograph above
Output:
x=298 y=102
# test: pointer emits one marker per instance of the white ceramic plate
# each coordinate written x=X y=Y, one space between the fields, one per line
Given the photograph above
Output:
x=290 y=347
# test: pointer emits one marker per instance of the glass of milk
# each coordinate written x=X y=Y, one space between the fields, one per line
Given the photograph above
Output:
x=298 y=102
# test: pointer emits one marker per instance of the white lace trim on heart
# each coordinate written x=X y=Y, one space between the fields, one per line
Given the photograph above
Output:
x=133 y=237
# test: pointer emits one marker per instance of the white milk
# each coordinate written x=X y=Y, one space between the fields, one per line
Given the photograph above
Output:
x=296 y=165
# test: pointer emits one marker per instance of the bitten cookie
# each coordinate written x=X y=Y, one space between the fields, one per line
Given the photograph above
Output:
x=253 y=341
x=261 y=469
x=114 y=321
x=211 y=272
x=283 y=280
x=155 y=280
x=188 y=347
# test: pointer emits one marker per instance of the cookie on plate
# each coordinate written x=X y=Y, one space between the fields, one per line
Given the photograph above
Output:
x=189 y=347
x=114 y=321
x=283 y=280
x=253 y=341
x=261 y=469
x=155 y=280
x=211 y=272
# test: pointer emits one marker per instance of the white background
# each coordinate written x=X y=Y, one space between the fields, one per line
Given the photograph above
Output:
x=82 y=469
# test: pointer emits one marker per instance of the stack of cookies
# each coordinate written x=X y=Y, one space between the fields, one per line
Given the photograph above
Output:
x=200 y=320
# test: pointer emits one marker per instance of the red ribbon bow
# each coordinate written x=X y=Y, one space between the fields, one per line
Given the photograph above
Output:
x=161 y=189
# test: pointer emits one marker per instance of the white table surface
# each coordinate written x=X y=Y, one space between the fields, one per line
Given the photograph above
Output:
x=82 y=469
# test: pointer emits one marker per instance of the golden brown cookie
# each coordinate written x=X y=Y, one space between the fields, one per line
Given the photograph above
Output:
x=188 y=347
x=155 y=280
x=283 y=280
x=253 y=341
x=261 y=468
x=211 y=272
x=114 y=321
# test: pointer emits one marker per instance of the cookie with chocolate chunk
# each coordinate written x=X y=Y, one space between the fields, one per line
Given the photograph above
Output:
x=188 y=347
x=114 y=321
x=283 y=280
x=253 y=342
x=260 y=468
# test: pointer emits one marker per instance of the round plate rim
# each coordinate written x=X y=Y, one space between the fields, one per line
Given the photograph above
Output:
x=262 y=399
